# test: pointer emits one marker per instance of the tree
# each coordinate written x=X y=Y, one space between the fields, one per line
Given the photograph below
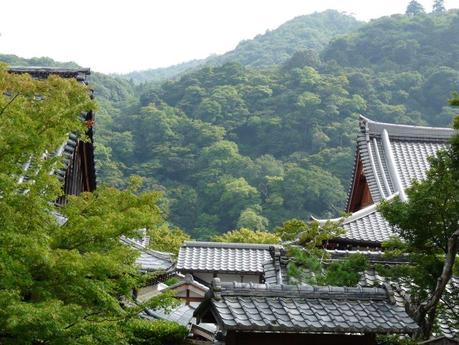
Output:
x=414 y=8
x=245 y=235
x=438 y=6
x=251 y=218
x=428 y=225
x=309 y=261
x=62 y=282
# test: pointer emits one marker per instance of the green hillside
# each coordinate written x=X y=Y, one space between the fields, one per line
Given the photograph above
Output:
x=313 y=31
x=236 y=146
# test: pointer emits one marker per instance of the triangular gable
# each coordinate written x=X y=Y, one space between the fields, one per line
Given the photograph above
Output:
x=389 y=157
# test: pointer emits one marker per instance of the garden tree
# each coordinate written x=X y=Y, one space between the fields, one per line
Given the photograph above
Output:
x=438 y=6
x=62 y=282
x=309 y=262
x=414 y=8
x=428 y=225
x=251 y=218
x=244 y=235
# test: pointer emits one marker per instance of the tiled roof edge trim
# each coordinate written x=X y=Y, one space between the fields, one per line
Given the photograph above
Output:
x=229 y=245
x=49 y=70
x=155 y=253
x=392 y=165
x=301 y=291
x=407 y=131
x=356 y=215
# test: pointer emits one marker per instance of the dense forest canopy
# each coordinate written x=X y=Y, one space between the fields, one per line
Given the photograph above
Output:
x=267 y=132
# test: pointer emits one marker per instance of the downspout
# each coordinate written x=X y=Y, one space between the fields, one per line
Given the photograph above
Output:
x=391 y=164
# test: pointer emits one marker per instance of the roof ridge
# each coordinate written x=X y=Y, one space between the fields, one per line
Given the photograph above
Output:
x=304 y=291
x=156 y=253
x=404 y=131
x=261 y=246
x=50 y=69
x=357 y=214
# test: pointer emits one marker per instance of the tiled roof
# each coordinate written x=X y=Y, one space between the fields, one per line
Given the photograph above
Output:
x=394 y=155
x=275 y=269
x=150 y=260
x=366 y=225
x=79 y=74
x=304 y=309
x=223 y=257
x=447 y=326
x=183 y=314
x=373 y=256
x=189 y=280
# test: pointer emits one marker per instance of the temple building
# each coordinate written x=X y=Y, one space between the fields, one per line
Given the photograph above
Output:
x=388 y=158
x=78 y=173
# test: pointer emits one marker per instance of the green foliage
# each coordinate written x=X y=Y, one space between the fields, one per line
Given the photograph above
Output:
x=346 y=272
x=438 y=6
x=62 y=283
x=394 y=340
x=165 y=238
x=245 y=235
x=311 y=32
x=427 y=223
x=159 y=332
x=232 y=146
x=310 y=263
x=414 y=8
x=171 y=281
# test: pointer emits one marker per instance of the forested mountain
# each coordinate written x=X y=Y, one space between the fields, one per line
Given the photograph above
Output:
x=313 y=31
x=236 y=146
x=164 y=73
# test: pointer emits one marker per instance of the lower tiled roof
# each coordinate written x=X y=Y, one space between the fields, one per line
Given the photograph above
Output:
x=150 y=260
x=305 y=309
x=446 y=319
x=364 y=226
x=183 y=314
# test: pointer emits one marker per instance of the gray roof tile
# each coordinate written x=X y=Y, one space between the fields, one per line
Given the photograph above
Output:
x=182 y=314
x=447 y=326
x=150 y=260
x=410 y=145
x=258 y=307
x=222 y=257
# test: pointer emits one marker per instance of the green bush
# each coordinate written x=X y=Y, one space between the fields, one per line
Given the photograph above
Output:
x=394 y=340
x=159 y=332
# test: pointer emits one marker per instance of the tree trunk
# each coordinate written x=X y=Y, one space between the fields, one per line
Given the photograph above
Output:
x=426 y=312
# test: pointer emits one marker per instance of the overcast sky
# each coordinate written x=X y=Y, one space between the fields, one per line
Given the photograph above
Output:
x=122 y=36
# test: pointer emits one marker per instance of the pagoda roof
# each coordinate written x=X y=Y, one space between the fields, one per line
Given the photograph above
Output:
x=395 y=155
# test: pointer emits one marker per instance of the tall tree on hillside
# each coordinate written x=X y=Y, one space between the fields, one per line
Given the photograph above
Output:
x=428 y=223
x=414 y=8
x=438 y=6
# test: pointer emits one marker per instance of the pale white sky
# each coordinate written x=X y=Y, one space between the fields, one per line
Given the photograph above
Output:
x=122 y=36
